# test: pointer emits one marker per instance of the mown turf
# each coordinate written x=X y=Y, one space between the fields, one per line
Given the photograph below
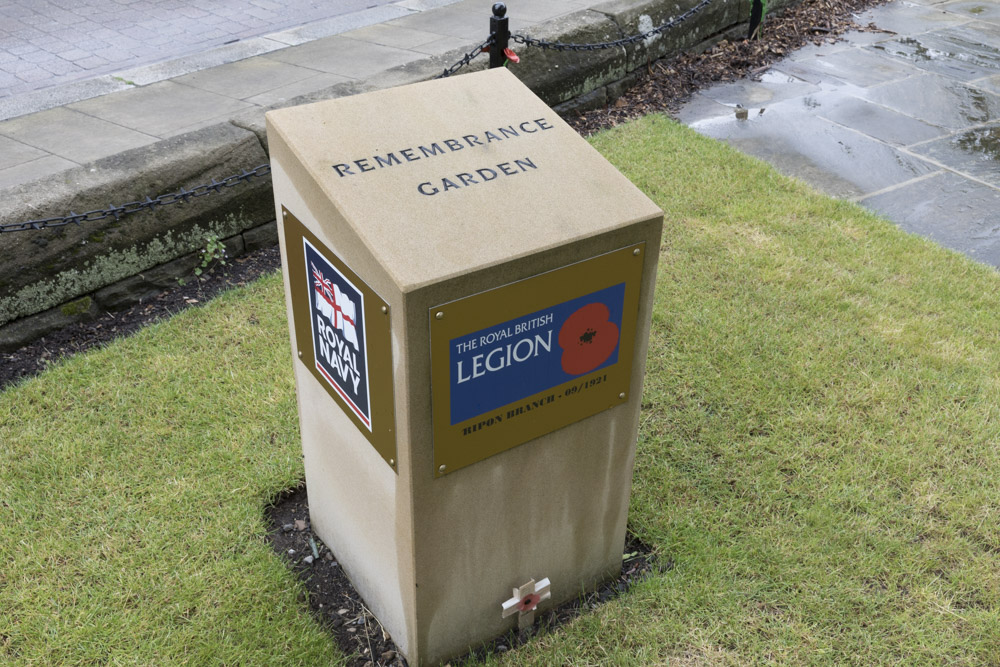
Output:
x=818 y=456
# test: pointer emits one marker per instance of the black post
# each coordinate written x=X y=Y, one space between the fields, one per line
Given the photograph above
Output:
x=501 y=35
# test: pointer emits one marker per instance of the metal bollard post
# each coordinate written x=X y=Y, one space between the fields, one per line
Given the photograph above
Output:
x=500 y=31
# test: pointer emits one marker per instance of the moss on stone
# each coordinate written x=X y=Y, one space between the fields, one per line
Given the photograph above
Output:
x=78 y=307
x=113 y=266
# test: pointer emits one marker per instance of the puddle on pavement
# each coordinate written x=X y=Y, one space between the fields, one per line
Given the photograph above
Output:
x=908 y=48
x=975 y=152
x=774 y=76
x=982 y=143
x=974 y=105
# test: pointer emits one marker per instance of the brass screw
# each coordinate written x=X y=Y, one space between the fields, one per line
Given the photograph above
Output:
x=442 y=468
x=284 y=214
x=636 y=252
x=300 y=354
x=440 y=315
x=621 y=395
x=392 y=462
x=385 y=309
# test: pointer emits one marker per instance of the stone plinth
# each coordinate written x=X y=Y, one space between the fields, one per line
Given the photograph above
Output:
x=469 y=287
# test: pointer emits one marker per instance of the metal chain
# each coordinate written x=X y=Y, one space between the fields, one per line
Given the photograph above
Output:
x=118 y=212
x=624 y=41
x=468 y=58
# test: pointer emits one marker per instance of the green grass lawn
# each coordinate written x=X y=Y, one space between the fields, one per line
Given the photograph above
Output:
x=819 y=456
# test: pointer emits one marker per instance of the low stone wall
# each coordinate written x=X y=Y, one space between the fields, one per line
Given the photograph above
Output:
x=51 y=278
x=67 y=270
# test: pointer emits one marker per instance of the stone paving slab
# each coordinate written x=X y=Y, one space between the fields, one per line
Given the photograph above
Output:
x=282 y=94
x=347 y=57
x=246 y=78
x=444 y=44
x=957 y=213
x=13 y=153
x=73 y=135
x=162 y=109
x=938 y=100
x=393 y=35
x=877 y=121
x=30 y=170
x=859 y=67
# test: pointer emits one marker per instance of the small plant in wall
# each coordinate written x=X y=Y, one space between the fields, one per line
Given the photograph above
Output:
x=213 y=254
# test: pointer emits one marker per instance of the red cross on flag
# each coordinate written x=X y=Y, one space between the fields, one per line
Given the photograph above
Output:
x=335 y=306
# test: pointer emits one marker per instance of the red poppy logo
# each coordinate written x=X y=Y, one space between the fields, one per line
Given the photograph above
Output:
x=587 y=337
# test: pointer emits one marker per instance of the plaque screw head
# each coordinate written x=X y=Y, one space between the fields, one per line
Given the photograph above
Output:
x=621 y=395
x=284 y=214
x=392 y=462
x=442 y=468
x=300 y=354
x=385 y=309
x=440 y=315
x=636 y=252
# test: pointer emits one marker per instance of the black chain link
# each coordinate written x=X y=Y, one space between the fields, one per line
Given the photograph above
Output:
x=118 y=212
x=468 y=58
x=624 y=41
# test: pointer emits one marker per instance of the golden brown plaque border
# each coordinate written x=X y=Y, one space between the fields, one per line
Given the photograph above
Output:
x=454 y=447
x=377 y=337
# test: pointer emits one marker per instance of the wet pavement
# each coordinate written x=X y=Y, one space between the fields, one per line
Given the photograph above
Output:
x=905 y=121
x=51 y=42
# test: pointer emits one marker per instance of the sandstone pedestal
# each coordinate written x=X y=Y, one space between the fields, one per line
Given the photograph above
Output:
x=469 y=288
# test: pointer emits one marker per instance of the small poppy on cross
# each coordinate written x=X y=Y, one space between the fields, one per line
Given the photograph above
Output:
x=525 y=600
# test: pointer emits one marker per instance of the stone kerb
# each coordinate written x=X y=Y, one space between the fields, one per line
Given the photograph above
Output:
x=47 y=270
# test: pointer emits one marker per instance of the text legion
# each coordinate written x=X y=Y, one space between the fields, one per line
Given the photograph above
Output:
x=451 y=145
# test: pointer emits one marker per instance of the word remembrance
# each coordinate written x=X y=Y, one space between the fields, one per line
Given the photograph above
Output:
x=469 y=286
x=462 y=179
